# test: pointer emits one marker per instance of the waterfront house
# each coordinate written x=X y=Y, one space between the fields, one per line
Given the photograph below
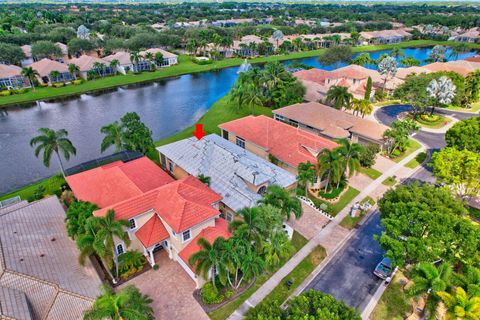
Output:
x=91 y=66
x=447 y=66
x=471 y=36
x=385 y=36
x=11 y=77
x=47 y=68
x=331 y=123
x=280 y=143
x=403 y=73
x=169 y=59
x=40 y=277
x=236 y=174
x=164 y=214
x=125 y=64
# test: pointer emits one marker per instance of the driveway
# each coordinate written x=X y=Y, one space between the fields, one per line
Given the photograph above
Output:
x=171 y=290
x=348 y=276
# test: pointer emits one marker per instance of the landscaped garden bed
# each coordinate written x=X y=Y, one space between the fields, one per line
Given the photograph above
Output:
x=211 y=298
x=332 y=195
x=434 y=121
x=333 y=209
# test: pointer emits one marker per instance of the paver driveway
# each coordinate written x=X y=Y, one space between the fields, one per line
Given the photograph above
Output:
x=171 y=290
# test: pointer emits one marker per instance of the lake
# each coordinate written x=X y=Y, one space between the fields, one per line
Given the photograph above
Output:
x=166 y=106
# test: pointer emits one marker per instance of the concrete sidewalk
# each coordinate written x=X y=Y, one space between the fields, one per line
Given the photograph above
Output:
x=321 y=238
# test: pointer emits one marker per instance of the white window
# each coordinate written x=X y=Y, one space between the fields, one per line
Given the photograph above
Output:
x=186 y=235
x=120 y=249
x=133 y=225
x=170 y=166
x=240 y=142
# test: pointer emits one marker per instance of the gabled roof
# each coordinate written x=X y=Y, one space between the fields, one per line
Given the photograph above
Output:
x=117 y=181
x=444 y=66
x=7 y=71
x=350 y=72
x=313 y=75
x=63 y=47
x=231 y=168
x=288 y=144
x=152 y=232
x=402 y=73
x=164 y=53
x=85 y=63
x=27 y=50
x=210 y=234
x=123 y=57
x=45 y=66
x=181 y=204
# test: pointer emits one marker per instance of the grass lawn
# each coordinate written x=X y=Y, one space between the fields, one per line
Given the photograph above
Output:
x=334 y=209
x=387 y=103
x=186 y=66
x=370 y=172
x=390 y=182
x=475 y=107
x=350 y=222
x=51 y=185
x=415 y=162
x=394 y=303
x=297 y=276
x=413 y=146
x=437 y=123
x=224 y=312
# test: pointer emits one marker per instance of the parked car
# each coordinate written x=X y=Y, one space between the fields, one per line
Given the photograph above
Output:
x=384 y=268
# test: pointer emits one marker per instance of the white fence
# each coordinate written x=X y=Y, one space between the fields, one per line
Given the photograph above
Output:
x=310 y=203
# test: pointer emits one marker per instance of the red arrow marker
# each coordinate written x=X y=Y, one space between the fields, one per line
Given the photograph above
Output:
x=199 y=133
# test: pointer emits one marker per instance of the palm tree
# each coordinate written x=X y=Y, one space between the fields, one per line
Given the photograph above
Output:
x=149 y=56
x=249 y=227
x=252 y=265
x=281 y=199
x=442 y=91
x=99 y=67
x=114 y=135
x=363 y=59
x=204 y=179
x=388 y=69
x=277 y=36
x=461 y=305
x=135 y=58
x=470 y=279
x=273 y=74
x=114 y=64
x=277 y=249
x=306 y=175
x=458 y=49
x=437 y=54
x=396 y=52
x=53 y=141
x=31 y=75
x=158 y=58
x=54 y=75
x=339 y=96
x=73 y=69
x=210 y=259
x=128 y=303
x=330 y=164
x=352 y=153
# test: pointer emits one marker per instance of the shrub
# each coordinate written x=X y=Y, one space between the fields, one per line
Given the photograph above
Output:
x=5 y=93
x=379 y=94
x=58 y=84
x=37 y=194
x=128 y=274
x=332 y=194
x=130 y=260
x=202 y=61
x=77 y=82
x=368 y=154
x=229 y=293
x=210 y=294
x=155 y=267
x=20 y=91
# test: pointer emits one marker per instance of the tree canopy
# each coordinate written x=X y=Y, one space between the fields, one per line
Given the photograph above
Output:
x=11 y=53
x=465 y=134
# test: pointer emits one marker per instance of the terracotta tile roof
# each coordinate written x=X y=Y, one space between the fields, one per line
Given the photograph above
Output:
x=465 y=64
x=288 y=144
x=27 y=50
x=332 y=122
x=210 y=234
x=86 y=63
x=181 y=204
x=117 y=181
x=152 y=232
x=45 y=66
x=123 y=57
x=63 y=47
x=473 y=59
x=164 y=53
x=384 y=34
x=313 y=75
x=444 y=66
x=7 y=71
x=351 y=71
x=402 y=73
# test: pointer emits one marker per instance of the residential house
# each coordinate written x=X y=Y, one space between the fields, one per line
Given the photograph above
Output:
x=471 y=66
x=331 y=123
x=471 y=35
x=125 y=64
x=280 y=143
x=403 y=73
x=447 y=66
x=64 y=49
x=27 y=51
x=385 y=36
x=247 y=46
x=473 y=59
x=90 y=66
x=235 y=173
x=45 y=67
x=169 y=59
x=164 y=214
x=11 y=77
x=40 y=277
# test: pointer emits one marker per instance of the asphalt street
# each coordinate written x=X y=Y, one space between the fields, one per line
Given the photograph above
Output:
x=349 y=275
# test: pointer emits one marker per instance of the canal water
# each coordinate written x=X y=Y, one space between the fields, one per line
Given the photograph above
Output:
x=166 y=106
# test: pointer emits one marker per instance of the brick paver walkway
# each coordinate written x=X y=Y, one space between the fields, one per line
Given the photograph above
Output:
x=310 y=223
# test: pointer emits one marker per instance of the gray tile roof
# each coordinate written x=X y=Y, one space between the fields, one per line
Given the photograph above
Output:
x=229 y=167
x=14 y=304
x=38 y=259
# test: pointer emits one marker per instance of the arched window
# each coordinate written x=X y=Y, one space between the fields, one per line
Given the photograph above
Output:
x=262 y=190
x=120 y=249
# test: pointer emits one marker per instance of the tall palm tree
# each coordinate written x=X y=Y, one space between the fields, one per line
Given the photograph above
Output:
x=135 y=58
x=331 y=165
x=73 y=69
x=273 y=74
x=114 y=135
x=470 y=279
x=281 y=199
x=388 y=69
x=114 y=64
x=249 y=226
x=339 y=96
x=128 y=303
x=149 y=56
x=100 y=68
x=204 y=179
x=277 y=36
x=442 y=91
x=109 y=228
x=31 y=75
x=352 y=153
x=211 y=258
x=461 y=306
x=53 y=141
x=252 y=265
x=306 y=175
x=277 y=249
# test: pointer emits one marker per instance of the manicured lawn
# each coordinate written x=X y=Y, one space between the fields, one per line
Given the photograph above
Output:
x=387 y=103
x=370 y=172
x=415 y=162
x=186 y=66
x=414 y=145
x=390 y=182
x=436 y=123
x=297 y=276
x=334 y=209
x=368 y=199
x=394 y=303
x=475 y=107
x=350 y=222
x=51 y=185
x=224 y=312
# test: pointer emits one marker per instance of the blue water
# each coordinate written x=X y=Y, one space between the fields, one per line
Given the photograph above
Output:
x=166 y=106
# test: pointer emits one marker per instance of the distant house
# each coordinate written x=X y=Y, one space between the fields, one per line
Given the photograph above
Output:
x=331 y=123
x=236 y=174
x=276 y=141
x=125 y=64
x=47 y=69
x=40 y=277
x=89 y=64
x=169 y=58
x=64 y=49
x=165 y=216
x=11 y=77
x=471 y=35
x=447 y=66
x=27 y=51
x=403 y=73
x=385 y=36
